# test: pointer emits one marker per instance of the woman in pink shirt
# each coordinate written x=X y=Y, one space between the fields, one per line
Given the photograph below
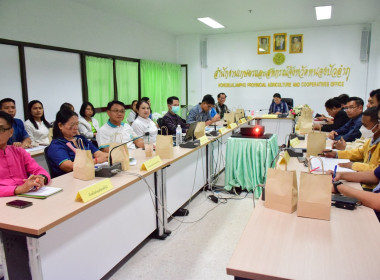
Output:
x=19 y=172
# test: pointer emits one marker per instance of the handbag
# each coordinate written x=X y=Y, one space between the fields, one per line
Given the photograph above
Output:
x=199 y=130
x=316 y=143
x=83 y=167
x=164 y=144
x=314 y=197
x=281 y=190
x=119 y=154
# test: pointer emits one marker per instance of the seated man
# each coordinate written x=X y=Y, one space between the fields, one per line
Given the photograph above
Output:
x=369 y=199
x=115 y=130
x=171 y=120
x=350 y=131
x=366 y=157
x=220 y=107
x=335 y=110
x=278 y=107
x=201 y=112
x=20 y=137
x=374 y=98
x=19 y=172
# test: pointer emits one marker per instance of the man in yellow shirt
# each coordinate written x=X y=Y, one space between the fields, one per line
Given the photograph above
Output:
x=367 y=157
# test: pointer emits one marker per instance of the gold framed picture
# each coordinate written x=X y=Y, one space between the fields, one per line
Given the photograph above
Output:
x=263 y=44
x=279 y=42
x=296 y=43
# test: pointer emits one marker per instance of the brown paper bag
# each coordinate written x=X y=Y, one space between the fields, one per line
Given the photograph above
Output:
x=239 y=113
x=305 y=121
x=83 y=167
x=199 y=130
x=164 y=144
x=314 y=198
x=316 y=143
x=119 y=154
x=229 y=117
x=281 y=190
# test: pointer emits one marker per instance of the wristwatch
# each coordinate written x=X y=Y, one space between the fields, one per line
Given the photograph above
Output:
x=336 y=184
x=45 y=178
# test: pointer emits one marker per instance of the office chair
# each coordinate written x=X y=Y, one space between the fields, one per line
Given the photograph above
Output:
x=48 y=162
x=288 y=101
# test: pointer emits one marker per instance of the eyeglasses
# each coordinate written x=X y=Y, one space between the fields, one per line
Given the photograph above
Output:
x=351 y=107
x=74 y=124
x=118 y=111
x=3 y=129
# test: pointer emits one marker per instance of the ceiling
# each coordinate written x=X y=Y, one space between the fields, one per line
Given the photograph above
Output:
x=178 y=17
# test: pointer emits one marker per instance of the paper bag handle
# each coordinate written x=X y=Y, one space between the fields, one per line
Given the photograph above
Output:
x=309 y=164
x=286 y=164
x=116 y=134
x=167 y=130
x=80 y=144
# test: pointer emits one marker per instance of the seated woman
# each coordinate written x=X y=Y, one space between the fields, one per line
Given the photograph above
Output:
x=61 y=152
x=133 y=114
x=36 y=124
x=19 y=172
x=143 y=123
x=88 y=125
x=278 y=107
x=335 y=110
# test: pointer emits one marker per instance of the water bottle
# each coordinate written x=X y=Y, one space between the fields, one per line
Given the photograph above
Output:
x=178 y=135
x=148 y=144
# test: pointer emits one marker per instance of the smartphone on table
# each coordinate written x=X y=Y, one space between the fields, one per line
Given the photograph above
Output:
x=19 y=203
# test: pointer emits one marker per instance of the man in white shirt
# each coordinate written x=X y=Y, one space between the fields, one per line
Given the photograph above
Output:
x=115 y=130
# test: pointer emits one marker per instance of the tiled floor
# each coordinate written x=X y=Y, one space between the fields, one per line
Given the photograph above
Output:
x=199 y=250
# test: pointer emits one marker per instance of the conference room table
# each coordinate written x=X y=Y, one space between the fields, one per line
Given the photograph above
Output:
x=247 y=160
x=62 y=238
x=277 y=245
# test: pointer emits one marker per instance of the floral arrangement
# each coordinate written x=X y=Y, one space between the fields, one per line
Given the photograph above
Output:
x=296 y=111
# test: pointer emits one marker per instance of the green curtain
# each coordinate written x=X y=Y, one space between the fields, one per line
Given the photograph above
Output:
x=99 y=72
x=127 y=79
x=160 y=80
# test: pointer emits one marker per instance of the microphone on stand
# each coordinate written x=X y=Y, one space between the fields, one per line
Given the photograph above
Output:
x=112 y=169
x=282 y=147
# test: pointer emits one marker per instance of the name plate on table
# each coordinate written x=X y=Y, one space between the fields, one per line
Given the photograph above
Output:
x=152 y=163
x=294 y=142
x=203 y=140
x=285 y=158
x=94 y=190
x=223 y=130
x=243 y=120
x=232 y=125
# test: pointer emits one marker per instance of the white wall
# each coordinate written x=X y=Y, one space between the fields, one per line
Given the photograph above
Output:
x=72 y=25
x=10 y=81
x=374 y=58
x=322 y=47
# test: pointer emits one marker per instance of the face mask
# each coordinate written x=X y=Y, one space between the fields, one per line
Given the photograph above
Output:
x=366 y=133
x=175 y=109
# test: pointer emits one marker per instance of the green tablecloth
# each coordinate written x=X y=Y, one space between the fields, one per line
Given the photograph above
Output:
x=247 y=160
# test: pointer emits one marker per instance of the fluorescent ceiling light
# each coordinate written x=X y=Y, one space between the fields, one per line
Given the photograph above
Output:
x=210 y=22
x=323 y=12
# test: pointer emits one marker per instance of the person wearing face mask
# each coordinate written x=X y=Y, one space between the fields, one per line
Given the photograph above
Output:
x=171 y=120
x=367 y=157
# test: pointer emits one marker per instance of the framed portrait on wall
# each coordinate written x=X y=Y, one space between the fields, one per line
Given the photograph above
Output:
x=279 y=42
x=263 y=44
x=296 y=43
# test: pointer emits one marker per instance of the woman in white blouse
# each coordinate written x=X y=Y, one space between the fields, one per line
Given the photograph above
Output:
x=143 y=123
x=133 y=114
x=36 y=125
x=88 y=125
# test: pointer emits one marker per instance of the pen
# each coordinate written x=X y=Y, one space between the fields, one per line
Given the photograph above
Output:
x=314 y=169
x=334 y=174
